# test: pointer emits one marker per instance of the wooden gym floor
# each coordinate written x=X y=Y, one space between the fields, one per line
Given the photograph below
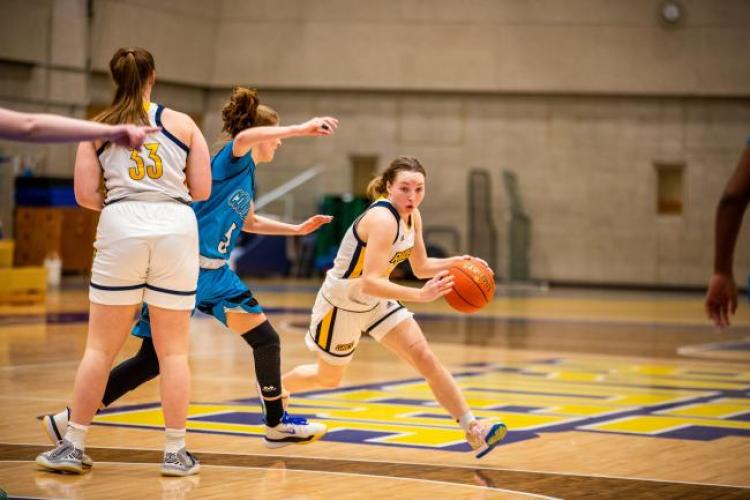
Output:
x=606 y=394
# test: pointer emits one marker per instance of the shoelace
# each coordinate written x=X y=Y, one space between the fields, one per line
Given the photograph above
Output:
x=65 y=450
x=288 y=419
x=174 y=458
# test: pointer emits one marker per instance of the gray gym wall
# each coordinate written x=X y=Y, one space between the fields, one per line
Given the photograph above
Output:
x=579 y=97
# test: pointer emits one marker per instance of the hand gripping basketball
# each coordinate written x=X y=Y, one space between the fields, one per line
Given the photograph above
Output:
x=473 y=287
x=438 y=286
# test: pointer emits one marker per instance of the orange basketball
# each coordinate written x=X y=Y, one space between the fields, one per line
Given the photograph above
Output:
x=473 y=286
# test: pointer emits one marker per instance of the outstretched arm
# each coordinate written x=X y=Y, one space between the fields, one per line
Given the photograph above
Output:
x=264 y=225
x=721 y=299
x=246 y=139
x=34 y=127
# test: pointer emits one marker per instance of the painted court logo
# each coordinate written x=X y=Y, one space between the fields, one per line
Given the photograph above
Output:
x=532 y=397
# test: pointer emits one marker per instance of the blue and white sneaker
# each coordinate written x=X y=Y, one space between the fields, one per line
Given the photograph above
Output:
x=64 y=458
x=55 y=425
x=293 y=430
x=182 y=463
x=483 y=437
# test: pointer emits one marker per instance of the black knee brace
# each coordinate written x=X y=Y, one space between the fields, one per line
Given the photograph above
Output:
x=132 y=373
x=267 y=355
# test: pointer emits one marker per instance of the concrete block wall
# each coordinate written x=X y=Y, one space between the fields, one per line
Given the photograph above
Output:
x=586 y=167
x=588 y=46
x=580 y=98
x=43 y=50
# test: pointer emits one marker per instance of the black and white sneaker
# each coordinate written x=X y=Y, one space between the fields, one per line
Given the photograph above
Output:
x=182 y=463
x=55 y=425
x=64 y=458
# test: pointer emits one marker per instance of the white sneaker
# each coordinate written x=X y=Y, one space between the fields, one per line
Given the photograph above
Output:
x=293 y=430
x=483 y=437
x=55 y=426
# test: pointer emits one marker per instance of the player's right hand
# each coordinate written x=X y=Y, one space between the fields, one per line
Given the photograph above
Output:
x=438 y=286
x=131 y=136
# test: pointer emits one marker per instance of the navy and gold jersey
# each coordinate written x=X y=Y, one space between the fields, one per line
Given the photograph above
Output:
x=343 y=284
x=221 y=217
x=157 y=169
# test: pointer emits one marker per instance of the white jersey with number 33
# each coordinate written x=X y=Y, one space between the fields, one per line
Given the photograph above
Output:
x=155 y=171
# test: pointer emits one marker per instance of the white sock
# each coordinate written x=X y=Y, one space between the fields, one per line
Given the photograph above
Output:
x=466 y=420
x=175 y=440
x=63 y=416
x=76 y=434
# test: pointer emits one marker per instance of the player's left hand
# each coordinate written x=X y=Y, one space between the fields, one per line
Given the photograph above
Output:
x=471 y=257
x=313 y=223
x=721 y=299
x=320 y=126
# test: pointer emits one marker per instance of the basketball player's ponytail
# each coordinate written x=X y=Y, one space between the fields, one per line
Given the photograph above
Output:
x=376 y=188
x=131 y=70
x=241 y=111
x=379 y=185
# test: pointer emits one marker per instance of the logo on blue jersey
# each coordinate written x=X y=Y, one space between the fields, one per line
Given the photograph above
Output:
x=240 y=202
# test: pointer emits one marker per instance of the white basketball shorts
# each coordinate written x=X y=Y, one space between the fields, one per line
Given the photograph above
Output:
x=146 y=252
x=335 y=332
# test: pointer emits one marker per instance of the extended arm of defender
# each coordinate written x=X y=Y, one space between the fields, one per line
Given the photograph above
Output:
x=37 y=127
x=246 y=139
x=258 y=224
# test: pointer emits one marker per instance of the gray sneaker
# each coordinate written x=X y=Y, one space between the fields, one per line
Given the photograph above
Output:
x=182 y=463
x=54 y=426
x=64 y=458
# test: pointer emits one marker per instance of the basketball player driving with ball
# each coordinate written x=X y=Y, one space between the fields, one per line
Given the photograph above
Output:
x=357 y=296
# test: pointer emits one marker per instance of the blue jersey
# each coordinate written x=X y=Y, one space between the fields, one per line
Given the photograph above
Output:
x=220 y=218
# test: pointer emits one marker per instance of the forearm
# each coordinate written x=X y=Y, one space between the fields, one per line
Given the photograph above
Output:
x=728 y=222
x=52 y=128
x=254 y=135
x=435 y=265
x=263 y=225
x=384 y=288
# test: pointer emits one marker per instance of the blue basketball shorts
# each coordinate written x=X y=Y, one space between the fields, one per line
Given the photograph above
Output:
x=219 y=291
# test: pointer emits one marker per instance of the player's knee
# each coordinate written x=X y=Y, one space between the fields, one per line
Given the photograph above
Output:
x=424 y=359
x=99 y=355
x=263 y=336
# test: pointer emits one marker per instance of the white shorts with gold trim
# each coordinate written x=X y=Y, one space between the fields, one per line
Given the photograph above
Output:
x=335 y=331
